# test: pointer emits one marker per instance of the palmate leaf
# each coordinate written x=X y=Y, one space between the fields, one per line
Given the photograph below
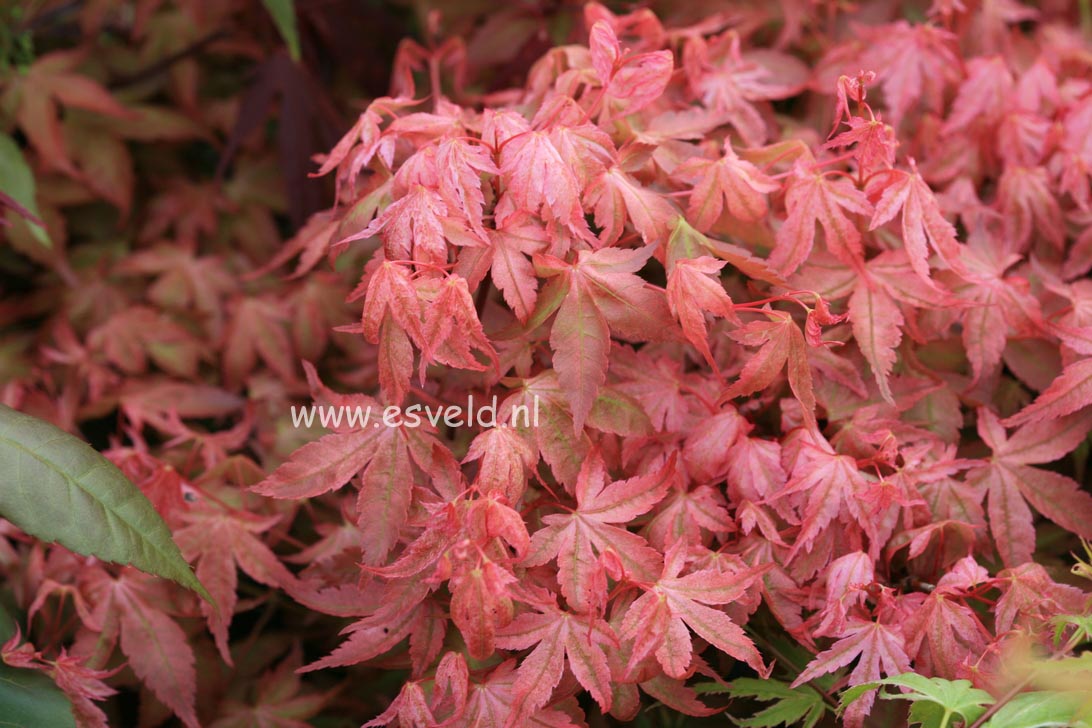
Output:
x=1069 y=392
x=937 y=702
x=57 y=488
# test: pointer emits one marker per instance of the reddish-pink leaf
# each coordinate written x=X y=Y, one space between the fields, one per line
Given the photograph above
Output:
x=877 y=328
x=657 y=621
x=879 y=649
x=580 y=340
x=814 y=198
x=1071 y=391
x=577 y=540
x=158 y=651
x=693 y=288
x=616 y=196
x=922 y=223
x=321 y=466
x=729 y=183
x=558 y=635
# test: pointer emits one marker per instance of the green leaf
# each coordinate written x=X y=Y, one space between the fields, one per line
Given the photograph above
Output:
x=56 y=487
x=17 y=181
x=1081 y=624
x=938 y=703
x=928 y=714
x=283 y=13
x=801 y=706
x=29 y=699
x=1075 y=670
x=7 y=625
x=711 y=688
x=1043 y=709
x=851 y=695
x=954 y=697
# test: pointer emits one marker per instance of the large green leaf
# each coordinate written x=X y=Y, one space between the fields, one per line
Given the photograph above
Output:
x=284 y=16
x=29 y=699
x=1043 y=709
x=56 y=487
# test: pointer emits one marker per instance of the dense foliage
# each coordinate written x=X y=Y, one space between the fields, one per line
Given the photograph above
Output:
x=797 y=293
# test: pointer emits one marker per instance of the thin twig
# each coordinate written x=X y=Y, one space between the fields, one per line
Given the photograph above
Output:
x=1012 y=693
x=164 y=64
x=39 y=20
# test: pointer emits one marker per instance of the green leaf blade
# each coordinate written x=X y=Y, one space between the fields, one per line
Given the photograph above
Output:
x=57 y=488
x=17 y=181
x=1042 y=709
x=29 y=699
x=283 y=13
x=801 y=706
x=932 y=698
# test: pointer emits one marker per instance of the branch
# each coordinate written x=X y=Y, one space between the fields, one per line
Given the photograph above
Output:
x=163 y=64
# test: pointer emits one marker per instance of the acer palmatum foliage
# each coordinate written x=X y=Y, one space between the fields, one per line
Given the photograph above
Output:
x=759 y=346
x=804 y=315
